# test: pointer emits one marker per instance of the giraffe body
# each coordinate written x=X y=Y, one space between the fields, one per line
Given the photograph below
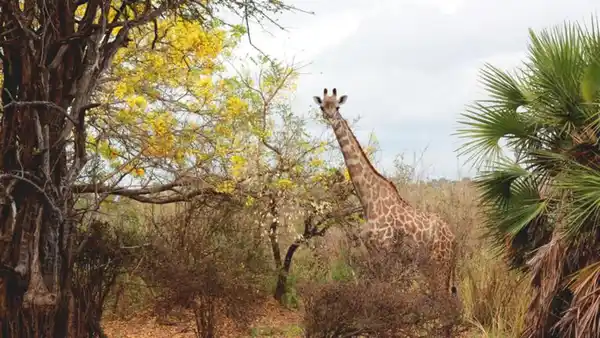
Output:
x=388 y=216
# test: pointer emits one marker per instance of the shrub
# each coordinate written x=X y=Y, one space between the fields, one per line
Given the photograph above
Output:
x=103 y=253
x=203 y=260
x=391 y=297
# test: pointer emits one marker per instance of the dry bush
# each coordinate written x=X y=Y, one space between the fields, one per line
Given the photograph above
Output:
x=103 y=253
x=390 y=298
x=348 y=309
x=202 y=259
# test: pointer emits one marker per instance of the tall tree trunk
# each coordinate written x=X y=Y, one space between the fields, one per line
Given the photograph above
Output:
x=281 y=288
x=51 y=61
x=41 y=80
x=32 y=219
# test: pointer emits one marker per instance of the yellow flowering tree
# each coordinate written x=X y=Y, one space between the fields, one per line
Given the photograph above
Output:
x=283 y=173
x=172 y=108
x=177 y=115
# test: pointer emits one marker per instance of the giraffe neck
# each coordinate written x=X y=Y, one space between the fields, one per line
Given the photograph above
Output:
x=367 y=181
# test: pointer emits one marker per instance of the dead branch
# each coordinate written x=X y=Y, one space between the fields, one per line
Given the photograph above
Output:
x=47 y=198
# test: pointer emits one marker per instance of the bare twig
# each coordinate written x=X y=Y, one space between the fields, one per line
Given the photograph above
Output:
x=48 y=199
x=37 y=104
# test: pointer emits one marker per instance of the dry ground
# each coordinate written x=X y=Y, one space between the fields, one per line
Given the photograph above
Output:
x=274 y=321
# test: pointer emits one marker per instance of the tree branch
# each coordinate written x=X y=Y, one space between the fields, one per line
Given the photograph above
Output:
x=47 y=198
x=37 y=104
x=138 y=194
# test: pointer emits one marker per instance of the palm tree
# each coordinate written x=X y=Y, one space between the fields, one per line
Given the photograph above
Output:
x=535 y=141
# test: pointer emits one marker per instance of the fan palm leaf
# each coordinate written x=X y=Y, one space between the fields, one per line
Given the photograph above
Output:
x=510 y=195
x=583 y=185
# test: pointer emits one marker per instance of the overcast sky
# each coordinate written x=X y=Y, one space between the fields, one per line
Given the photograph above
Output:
x=409 y=67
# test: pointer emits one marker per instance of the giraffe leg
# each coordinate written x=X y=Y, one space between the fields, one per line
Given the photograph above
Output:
x=442 y=278
x=453 y=282
x=446 y=292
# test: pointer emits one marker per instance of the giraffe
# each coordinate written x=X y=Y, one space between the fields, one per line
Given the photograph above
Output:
x=388 y=216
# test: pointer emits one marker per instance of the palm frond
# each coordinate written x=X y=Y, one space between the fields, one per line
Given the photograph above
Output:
x=556 y=63
x=546 y=163
x=583 y=185
x=556 y=66
x=547 y=200
x=590 y=82
x=590 y=35
x=510 y=198
x=484 y=127
x=496 y=186
x=547 y=266
x=505 y=91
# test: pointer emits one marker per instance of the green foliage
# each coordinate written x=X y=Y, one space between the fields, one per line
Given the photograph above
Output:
x=291 y=298
x=542 y=117
x=290 y=331
x=341 y=271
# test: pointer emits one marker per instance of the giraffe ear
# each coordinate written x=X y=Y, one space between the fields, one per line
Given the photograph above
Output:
x=343 y=99
x=317 y=100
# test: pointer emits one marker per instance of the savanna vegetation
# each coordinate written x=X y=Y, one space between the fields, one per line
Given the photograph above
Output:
x=154 y=185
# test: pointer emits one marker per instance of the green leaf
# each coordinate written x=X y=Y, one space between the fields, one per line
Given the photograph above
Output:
x=583 y=185
x=484 y=126
x=504 y=90
x=590 y=82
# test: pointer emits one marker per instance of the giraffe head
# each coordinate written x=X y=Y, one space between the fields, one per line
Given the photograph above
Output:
x=330 y=104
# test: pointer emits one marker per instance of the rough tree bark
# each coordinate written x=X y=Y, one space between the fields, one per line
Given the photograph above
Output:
x=41 y=80
x=50 y=65
x=281 y=288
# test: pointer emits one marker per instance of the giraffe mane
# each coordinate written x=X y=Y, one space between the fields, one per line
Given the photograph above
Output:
x=373 y=167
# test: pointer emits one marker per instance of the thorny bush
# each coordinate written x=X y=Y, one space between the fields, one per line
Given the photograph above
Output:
x=103 y=252
x=390 y=297
x=209 y=260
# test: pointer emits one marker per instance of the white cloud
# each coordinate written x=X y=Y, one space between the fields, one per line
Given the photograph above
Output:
x=305 y=35
x=409 y=67
x=446 y=7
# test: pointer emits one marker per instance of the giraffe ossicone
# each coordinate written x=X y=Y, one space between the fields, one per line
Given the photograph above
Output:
x=388 y=215
x=329 y=104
